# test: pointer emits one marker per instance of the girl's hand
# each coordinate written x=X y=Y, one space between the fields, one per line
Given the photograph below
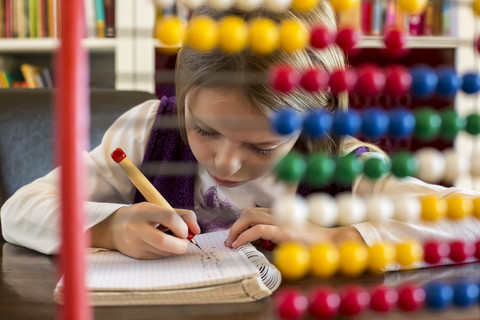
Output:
x=131 y=230
x=256 y=223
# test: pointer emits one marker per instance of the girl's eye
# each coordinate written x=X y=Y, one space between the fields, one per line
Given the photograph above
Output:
x=263 y=152
x=204 y=133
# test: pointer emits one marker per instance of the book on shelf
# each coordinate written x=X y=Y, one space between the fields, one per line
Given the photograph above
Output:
x=36 y=76
x=100 y=18
x=109 y=18
x=213 y=274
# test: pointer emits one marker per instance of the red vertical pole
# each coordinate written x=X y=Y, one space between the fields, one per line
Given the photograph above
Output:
x=72 y=115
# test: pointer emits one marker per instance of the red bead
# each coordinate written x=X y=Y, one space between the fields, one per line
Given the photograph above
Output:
x=268 y=245
x=370 y=80
x=354 y=300
x=323 y=303
x=434 y=251
x=321 y=37
x=284 y=78
x=461 y=251
x=477 y=249
x=314 y=80
x=395 y=43
x=383 y=298
x=291 y=303
x=347 y=39
x=477 y=44
x=398 y=80
x=342 y=80
x=410 y=297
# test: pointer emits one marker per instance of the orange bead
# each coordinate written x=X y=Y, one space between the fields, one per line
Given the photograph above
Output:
x=233 y=34
x=324 y=260
x=412 y=6
x=353 y=258
x=293 y=36
x=264 y=36
x=292 y=259
x=202 y=33
x=476 y=7
x=459 y=207
x=380 y=255
x=476 y=208
x=433 y=208
x=409 y=253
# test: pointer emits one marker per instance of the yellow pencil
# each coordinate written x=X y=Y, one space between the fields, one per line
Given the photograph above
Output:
x=143 y=184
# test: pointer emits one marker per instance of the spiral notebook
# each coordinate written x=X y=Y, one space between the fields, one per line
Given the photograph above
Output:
x=215 y=275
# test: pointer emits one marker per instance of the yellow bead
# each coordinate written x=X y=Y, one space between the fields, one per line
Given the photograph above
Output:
x=202 y=33
x=343 y=5
x=232 y=34
x=324 y=260
x=353 y=258
x=476 y=7
x=293 y=36
x=433 y=208
x=292 y=259
x=459 y=207
x=304 y=5
x=412 y=6
x=408 y=253
x=476 y=208
x=264 y=36
x=171 y=31
x=380 y=255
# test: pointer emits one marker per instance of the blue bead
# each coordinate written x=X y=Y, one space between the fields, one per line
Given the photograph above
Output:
x=346 y=123
x=402 y=123
x=465 y=293
x=449 y=82
x=424 y=81
x=374 y=123
x=471 y=83
x=439 y=295
x=286 y=122
x=317 y=123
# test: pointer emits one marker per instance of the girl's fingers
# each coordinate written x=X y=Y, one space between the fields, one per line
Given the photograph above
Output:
x=162 y=243
x=245 y=222
x=267 y=232
x=190 y=219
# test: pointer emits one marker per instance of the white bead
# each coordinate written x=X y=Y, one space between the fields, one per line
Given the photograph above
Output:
x=290 y=211
x=192 y=4
x=351 y=209
x=221 y=4
x=455 y=166
x=431 y=165
x=379 y=208
x=475 y=164
x=278 y=5
x=322 y=210
x=248 y=5
x=164 y=4
x=406 y=208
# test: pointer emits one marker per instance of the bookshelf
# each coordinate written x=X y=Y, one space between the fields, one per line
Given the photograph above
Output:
x=125 y=62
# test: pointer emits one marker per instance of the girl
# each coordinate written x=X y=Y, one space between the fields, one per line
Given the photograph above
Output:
x=223 y=108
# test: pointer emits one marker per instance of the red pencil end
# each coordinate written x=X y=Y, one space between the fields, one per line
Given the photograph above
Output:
x=190 y=235
x=118 y=155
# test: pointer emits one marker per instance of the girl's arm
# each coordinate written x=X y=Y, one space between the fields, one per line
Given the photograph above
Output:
x=30 y=217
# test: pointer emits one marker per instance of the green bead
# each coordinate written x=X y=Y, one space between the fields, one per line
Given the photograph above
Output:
x=404 y=164
x=452 y=124
x=291 y=168
x=473 y=124
x=320 y=169
x=374 y=168
x=427 y=124
x=347 y=169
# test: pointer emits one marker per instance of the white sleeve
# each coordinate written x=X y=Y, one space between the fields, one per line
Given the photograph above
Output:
x=30 y=217
x=394 y=231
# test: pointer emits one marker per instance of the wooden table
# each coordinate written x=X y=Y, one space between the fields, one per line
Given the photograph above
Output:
x=28 y=279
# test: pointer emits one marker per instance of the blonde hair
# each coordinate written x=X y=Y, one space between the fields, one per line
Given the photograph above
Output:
x=248 y=71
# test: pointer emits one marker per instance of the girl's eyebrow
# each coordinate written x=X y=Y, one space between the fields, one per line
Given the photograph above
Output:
x=258 y=144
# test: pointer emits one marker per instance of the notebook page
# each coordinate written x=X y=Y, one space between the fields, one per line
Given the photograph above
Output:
x=113 y=271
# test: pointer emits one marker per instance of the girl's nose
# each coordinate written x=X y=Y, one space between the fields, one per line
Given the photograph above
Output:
x=228 y=159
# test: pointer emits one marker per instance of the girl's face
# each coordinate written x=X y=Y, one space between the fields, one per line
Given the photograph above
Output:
x=230 y=138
